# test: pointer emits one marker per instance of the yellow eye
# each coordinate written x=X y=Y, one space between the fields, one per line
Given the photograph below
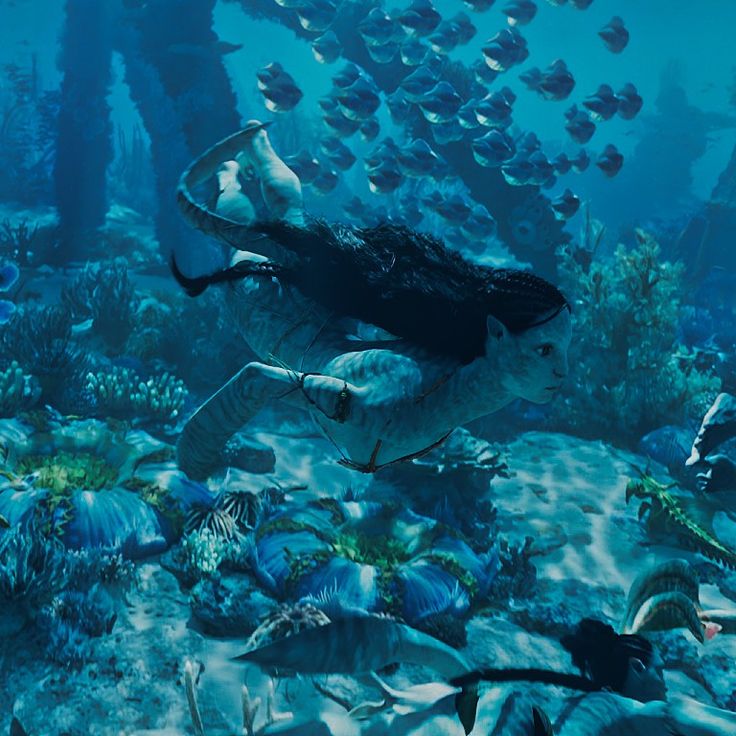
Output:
x=545 y=350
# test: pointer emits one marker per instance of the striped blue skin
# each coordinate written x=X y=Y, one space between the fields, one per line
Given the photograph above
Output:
x=9 y=274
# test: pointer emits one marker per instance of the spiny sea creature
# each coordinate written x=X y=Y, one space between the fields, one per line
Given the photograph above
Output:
x=666 y=509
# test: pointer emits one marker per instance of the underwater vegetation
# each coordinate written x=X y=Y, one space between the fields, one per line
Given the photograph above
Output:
x=90 y=486
x=628 y=378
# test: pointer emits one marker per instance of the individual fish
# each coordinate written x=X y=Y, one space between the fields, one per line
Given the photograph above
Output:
x=528 y=143
x=338 y=153
x=358 y=101
x=326 y=181
x=629 y=102
x=316 y=15
x=614 y=35
x=718 y=425
x=341 y=125
x=464 y=27
x=493 y=149
x=378 y=28
x=494 y=110
x=385 y=151
x=466 y=115
x=383 y=54
x=282 y=95
x=445 y=38
x=441 y=103
x=420 y=18
x=519 y=12
x=279 y=90
x=454 y=209
x=557 y=82
x=417 y=159
x=506 y=49
x=385 y=178
x=581 y=162
x=9 y=275
x=581 y=4
x=518 y=171
x=565 y=205
x=579 y=125
x=610 y=161
x=370 y=129
x=417 y=85
x=480 y=225
x=413 y=52
x=348 y=75
x=449 y=132
x=398 y=105
x=304 y=165
x=561 y=164
x=483 y=73
x=603 y=105
x=543 y=173
x=327 y=48
x=269 y=73
x=7 y=309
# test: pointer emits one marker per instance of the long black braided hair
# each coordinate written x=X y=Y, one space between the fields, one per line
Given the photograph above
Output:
x=403 y=281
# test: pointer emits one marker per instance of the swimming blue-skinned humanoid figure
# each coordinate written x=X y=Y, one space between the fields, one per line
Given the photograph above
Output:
x=386 y=337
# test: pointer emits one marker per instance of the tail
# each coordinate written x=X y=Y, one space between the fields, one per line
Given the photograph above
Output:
x=196 y=286
x=547 y=677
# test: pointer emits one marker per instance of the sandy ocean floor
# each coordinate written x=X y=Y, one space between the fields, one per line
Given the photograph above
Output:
x=567 y=493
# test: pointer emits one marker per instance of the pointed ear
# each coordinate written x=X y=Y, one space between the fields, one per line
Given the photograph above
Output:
x=495 y=328
x=636 y=665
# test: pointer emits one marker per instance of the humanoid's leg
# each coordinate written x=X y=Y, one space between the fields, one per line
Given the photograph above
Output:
x=201 y=443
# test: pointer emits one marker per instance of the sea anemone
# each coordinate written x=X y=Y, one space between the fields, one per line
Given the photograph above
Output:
x=90 y=486
x=373 y=557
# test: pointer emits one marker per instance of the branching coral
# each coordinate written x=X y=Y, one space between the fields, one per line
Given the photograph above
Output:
x=627 y=379
x=104 y=293
x=41 y=341
x=120 y=392
x=18 y=391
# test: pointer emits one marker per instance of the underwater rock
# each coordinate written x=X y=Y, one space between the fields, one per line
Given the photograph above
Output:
x=229 y=606
x=250 y=455
x=91 y=486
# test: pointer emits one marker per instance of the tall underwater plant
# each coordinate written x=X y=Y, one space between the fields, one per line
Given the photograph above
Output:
x=626 y=377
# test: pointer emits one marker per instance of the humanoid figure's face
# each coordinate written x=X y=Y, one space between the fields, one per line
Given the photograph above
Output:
x=535 y=361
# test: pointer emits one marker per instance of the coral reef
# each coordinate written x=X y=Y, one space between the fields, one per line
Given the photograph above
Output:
x=90 y=486
x=121 y=393
x=104 y=293
x=40 y=339
x=627 y=379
